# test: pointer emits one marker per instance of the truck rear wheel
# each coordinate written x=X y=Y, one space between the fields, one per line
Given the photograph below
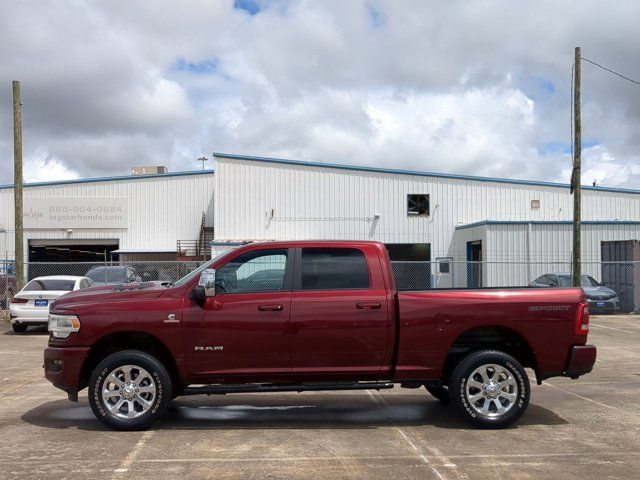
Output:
x=129 y=390
x=490 y=388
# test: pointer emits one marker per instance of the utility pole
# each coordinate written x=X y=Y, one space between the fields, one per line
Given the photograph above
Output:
x=576 y=175
x=17 y=185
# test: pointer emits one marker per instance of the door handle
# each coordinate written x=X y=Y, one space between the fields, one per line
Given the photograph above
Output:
x=274 y=307
x=368 y=305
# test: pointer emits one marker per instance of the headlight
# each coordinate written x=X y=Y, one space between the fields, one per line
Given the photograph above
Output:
x=61 y=326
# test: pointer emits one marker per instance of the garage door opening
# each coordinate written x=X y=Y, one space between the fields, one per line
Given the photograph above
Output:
x=411 y=265
x=67 y=257
x=71 y=250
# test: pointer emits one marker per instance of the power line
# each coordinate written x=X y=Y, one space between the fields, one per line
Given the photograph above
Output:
x=611 y=71
x=573 y=65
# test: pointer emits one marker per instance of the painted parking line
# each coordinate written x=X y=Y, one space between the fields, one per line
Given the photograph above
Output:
x=591 y=324
x=452 y=468
x=132 y=455
x=590 y=400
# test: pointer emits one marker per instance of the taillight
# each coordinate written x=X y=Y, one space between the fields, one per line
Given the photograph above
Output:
x=19 y=300
x=581 y=326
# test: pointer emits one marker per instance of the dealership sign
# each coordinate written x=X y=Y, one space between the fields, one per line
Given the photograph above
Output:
x=75 y=212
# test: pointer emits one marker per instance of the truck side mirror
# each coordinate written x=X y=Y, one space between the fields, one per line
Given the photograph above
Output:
x=208 y=282
x=198 y=294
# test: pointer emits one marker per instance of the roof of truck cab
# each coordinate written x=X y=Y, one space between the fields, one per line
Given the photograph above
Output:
x=302 y=243
x=299 y=243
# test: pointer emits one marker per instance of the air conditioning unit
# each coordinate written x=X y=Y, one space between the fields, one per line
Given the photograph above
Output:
x=149 y=170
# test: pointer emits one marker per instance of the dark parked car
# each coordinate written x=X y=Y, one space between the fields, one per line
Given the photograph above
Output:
x=113 y=275
x=600 y=298
x=263 y=280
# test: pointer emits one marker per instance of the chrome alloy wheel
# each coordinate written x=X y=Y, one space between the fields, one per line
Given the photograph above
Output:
x=128 y=392
x=491 y=390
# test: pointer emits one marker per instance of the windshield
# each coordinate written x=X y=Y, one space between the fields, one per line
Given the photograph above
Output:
x=49 y=284
x=585 y=281
x=108 y=275
x=198 y=270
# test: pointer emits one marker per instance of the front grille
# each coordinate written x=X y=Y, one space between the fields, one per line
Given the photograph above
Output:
x=600 y=298
x=600 y=304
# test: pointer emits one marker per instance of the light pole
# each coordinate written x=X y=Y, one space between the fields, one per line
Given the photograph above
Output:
x=203 y=159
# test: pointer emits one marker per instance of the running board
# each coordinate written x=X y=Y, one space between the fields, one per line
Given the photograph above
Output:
x=305 y=387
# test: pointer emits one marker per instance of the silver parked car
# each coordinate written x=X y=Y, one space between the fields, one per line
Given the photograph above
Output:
x=601 y=299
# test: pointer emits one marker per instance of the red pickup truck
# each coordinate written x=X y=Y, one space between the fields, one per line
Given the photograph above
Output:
x=313 y=315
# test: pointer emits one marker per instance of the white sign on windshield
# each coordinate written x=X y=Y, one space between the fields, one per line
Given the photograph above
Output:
x=75 y=212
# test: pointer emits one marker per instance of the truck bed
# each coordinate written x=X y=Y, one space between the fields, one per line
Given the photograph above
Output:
x=431 y=321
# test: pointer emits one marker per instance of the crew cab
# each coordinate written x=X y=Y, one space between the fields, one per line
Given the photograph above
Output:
x=312 y=315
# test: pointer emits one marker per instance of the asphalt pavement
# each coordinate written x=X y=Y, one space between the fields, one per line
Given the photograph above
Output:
x=574 y=429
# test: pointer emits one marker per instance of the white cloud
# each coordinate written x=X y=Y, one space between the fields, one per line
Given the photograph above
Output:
x=444 y=86
x=603 y=168
x=41 y=168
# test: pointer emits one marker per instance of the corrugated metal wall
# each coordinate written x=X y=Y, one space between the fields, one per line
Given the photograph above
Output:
x=272 y=201
x=161 y=210
x=509 y=262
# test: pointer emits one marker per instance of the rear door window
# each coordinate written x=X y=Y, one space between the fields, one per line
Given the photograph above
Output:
x=333 y=269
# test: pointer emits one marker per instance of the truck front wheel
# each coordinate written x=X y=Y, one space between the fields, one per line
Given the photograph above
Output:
x=129 y=390
x=490 y=388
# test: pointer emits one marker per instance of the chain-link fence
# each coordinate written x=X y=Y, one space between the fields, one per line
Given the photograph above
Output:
x=613 y=286
x=101 y=273
x=604 y=281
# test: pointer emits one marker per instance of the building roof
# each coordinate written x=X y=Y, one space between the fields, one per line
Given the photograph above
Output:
x=118 y=178
x=417 y=173
x=545 y=222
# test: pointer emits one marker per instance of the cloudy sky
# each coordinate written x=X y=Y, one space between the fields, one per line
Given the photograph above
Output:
x=479 y=88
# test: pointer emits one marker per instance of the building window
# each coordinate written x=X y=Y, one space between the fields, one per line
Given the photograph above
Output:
x=418 y=204
x=444 y=266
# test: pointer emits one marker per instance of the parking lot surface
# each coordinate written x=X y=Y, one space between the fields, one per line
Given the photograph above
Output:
x=586 y=429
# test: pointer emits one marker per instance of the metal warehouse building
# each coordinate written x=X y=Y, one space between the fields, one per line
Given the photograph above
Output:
x=448 y=230
x=137 y=217
x=477 y=231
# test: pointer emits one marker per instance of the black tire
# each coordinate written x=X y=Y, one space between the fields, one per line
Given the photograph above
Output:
x=156 y=381
x=19 y=327
x=511 y=392
x=441 y=393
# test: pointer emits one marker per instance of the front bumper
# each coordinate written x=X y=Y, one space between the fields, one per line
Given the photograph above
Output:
x=28 y=321
x=28 y=315
x=610 y=305
x=582 y=358
x=63 y=368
